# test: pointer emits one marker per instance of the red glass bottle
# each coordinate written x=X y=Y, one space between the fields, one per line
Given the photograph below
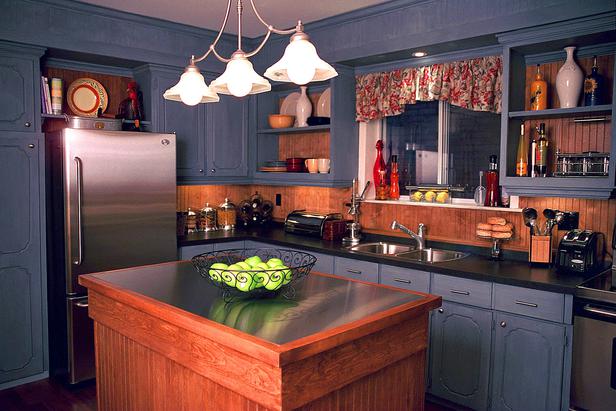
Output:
x=492 y=191
x=394 y=185
x=378 y=173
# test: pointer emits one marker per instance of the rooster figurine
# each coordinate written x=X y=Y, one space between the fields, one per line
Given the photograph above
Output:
x=131 y=108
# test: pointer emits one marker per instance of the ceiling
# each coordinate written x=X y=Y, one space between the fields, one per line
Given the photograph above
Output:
x=209 y=13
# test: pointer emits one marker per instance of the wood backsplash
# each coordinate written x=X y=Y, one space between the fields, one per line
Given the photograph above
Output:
x=443 y=224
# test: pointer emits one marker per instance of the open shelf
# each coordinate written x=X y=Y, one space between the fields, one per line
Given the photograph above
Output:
x=293 y=130
x=562 y=112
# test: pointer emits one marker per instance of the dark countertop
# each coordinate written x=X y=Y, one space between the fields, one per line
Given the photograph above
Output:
x=321 y=303
x=475 y=266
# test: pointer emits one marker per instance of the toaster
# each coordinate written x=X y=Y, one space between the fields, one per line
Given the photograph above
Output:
x=580 y=251
x=309 y=223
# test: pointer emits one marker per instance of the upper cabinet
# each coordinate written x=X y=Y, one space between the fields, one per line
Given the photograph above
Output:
x=212 y=139
x=574 y=132
x=19 y=87
x=336 y=141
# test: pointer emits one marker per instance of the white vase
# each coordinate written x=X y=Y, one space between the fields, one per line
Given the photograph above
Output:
x=569 y=81
x=303 y=109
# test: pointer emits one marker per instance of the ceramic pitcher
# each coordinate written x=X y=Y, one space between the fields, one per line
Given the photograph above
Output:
x=569 y=81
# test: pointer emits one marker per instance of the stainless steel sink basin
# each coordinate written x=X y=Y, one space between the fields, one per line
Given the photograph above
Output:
x=432 y=255
x=382 y=248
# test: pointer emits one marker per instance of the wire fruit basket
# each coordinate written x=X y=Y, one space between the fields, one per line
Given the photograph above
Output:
x=255 y=272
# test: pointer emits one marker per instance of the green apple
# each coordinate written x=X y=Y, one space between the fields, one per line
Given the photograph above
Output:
x=273 y=262
x=230 y=276
x=253 y=261
x=260 y=277
x=215 y=271
x=287 y=274
x=244 y=281
x=244 y=265
x=275 y=279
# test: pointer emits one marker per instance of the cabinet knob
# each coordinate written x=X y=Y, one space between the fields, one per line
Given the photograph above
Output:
x=213 y=170
x=27 y=124
x=201 y=170
x=30 y=145
x=503 y=324
x=440 y=310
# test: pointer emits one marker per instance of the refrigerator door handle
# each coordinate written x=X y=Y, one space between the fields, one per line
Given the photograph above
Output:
x=79 y=184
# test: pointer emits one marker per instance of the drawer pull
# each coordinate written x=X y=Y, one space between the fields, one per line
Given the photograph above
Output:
x=460 y=292
x=402 y=280
x=440 y=310
x=354 y=271
x=524 y=303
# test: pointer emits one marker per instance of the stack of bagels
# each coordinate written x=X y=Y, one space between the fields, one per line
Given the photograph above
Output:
x=495 y=227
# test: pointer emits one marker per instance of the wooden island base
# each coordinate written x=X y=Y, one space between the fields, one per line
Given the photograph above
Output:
x=151 y=356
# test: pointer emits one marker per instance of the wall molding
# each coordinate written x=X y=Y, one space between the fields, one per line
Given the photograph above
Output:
x=90 y=67
x=587 y=51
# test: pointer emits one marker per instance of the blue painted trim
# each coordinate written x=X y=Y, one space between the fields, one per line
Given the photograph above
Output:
x=27 y=380
x=562 y=112
x=566 y=29
x=560 y=55
x=90 y=67
x=19 y=49
x=436 y=59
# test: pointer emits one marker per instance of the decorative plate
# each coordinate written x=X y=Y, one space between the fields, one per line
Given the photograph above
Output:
x=85 y=96
x=324 y=104
x=289 y=104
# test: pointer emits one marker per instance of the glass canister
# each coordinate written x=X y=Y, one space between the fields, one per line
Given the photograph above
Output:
x=227 y=215
x=191 y=220
x=208 y=219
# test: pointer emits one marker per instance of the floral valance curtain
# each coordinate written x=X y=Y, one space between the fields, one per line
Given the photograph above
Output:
x=473 y=84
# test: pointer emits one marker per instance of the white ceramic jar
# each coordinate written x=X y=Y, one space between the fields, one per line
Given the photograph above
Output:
x=569 y=81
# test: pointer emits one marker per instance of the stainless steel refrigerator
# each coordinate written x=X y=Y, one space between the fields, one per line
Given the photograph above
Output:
x=111 y=204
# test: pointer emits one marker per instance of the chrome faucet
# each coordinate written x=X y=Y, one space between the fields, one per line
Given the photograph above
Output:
x=419 y=237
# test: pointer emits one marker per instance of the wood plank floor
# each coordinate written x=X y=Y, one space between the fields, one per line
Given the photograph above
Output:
x=50 y=395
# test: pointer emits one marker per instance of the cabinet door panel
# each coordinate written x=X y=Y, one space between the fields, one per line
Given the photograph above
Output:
x=528 y=364
x=227 y=154
x=21 y=322
x=356 y=269
x=188 y=123
x=460 y=348
x=16 y=94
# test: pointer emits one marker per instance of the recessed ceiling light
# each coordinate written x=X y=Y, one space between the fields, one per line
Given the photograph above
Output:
x=420 y=54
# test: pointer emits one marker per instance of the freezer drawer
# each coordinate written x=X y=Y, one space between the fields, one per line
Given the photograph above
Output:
x=81 y=363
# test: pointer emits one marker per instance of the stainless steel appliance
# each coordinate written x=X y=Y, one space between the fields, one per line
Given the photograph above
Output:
x=111 y=204
x=580 y=251
x=308 y=222
x=594 y=343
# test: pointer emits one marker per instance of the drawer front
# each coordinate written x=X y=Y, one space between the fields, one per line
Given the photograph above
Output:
x=230 y=245
x=529 y=302
x=463 y=290
x=324 y=264
x=406 y=278
x=186 y=253
x=356 y=269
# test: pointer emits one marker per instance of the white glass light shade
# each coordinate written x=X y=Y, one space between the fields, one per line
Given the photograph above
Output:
x=300 y=64
x=240 y=79
x=191 y=89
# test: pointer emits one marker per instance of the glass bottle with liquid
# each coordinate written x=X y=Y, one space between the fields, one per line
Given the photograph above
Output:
x=593 y=86
x=538 y=92
x=378 y=173
x=394 y=179
x=521 y=163
x=541 y=152
x=492 y=189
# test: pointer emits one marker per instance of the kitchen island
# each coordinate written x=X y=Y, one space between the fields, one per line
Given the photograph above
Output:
x=165 y=340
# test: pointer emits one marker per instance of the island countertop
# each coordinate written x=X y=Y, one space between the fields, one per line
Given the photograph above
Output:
x=330 y=324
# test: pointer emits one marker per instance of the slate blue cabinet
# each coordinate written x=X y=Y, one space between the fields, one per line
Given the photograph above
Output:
x=460 y=343
x=528 y=364
x=22 y=254
x=227 y=137
x=19 y=87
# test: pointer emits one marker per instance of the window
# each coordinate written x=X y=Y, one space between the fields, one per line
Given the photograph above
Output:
x=438 y=143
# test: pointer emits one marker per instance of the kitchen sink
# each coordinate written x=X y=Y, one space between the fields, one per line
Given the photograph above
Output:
x=382 y=248
x=432 y=255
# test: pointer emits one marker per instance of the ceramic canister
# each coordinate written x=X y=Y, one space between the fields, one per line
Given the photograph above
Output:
x=569 y=81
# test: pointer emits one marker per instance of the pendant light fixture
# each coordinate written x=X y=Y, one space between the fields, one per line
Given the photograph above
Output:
x=300 y=64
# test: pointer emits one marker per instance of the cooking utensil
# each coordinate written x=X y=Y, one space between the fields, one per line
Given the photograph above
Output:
x=550 y=216
x=530 y=219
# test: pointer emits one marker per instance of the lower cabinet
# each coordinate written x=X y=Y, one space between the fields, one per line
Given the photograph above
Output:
x=528 y=364
x=186 y=253
x=357 y=269
x=460 y=343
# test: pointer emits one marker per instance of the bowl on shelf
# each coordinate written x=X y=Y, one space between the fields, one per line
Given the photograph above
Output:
x=255 y=272
x=296 y=165
x=318 y=121
x=280 y=120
